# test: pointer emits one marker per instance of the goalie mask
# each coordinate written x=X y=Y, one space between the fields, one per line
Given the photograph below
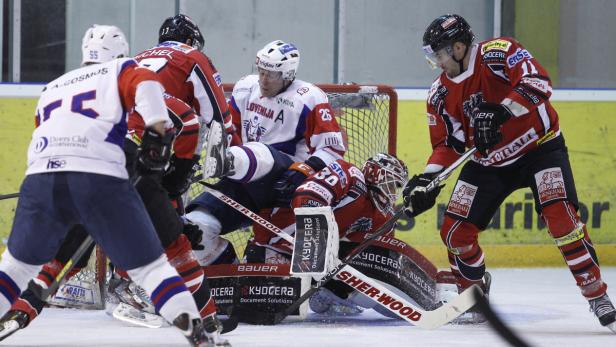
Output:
x=384 y=174
x=279 y=56
x=103 y=43
x=181 y=28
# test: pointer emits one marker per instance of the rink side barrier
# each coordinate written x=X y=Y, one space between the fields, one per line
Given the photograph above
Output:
x=515 y=237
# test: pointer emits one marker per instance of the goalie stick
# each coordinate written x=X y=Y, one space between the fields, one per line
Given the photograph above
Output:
x=364 y=284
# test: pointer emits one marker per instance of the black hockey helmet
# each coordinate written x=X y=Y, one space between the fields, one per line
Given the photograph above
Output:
x=181 y=28
x=446 y=30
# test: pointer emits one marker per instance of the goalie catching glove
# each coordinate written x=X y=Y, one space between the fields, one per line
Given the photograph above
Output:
x=487 y=120
x=154 y=153
x=417 y=199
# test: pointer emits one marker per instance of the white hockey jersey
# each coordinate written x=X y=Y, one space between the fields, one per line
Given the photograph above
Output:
x=299 y=121
x=81 y=117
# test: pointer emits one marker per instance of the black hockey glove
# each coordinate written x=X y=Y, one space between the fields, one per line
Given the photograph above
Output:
x=178 y=177
x=416 y=198
x=295 y=175
x=487 y=120
x=193 y=234
x=154 y=152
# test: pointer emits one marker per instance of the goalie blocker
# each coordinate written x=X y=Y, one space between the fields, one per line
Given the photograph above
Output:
x=315 y=251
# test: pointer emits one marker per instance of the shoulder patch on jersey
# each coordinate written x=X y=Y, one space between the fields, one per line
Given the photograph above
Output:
x=302 y=90
x=355 y=172
x=493 y=57
x=497 y=44
x=337 y=168
x=519 y=55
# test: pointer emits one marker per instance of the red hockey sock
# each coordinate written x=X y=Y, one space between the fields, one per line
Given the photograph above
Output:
x=466 y=258
x=182 y=258
x=574 y=243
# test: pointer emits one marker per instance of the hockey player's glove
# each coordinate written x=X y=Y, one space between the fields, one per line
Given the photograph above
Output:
x=193 y=234
x=154 y=152
x=416 y=198
x=295 y=175
x=487 y=120
x=178 y=177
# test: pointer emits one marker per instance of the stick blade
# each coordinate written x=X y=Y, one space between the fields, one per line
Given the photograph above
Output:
x=450 y=310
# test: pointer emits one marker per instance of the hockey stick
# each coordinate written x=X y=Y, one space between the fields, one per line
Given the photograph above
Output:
x=497 y=324
x=44 y=293
x=344 y=272
x=9 y=196
x=447 y=172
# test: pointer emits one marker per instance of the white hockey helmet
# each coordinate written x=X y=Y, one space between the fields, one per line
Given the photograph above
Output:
x=103 y=43
x=279 y=56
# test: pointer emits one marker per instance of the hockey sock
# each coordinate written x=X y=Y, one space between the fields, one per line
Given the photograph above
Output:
x=14 y=276
x=466 y=257
x=574 y=243
x=166 y=289
x=182 y=258
x=49 y=272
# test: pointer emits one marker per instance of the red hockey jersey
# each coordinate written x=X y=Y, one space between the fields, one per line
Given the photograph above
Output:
x=500 y=71
x=340 y=185
x=190 y=76
x=184 y=120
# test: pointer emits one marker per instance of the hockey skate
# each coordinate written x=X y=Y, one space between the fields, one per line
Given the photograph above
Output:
x=11 y=322
x=327 y=303
x=218 y=161
x=201 y=333
x=473 y=315
x=603 y=308
x=129 y=303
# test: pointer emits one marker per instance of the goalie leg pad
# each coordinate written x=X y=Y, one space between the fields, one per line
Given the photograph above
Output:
x=573 y=241
x=466 y=257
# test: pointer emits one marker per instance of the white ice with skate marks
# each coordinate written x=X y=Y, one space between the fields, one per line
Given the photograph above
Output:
x=543 y=305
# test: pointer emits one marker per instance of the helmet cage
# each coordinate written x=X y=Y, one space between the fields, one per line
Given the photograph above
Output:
x=385 y=175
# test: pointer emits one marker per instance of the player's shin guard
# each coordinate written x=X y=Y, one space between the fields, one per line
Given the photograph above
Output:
x=14 y=276
x=574 y=243
x=183 y=260
x=466 y=258
x=166 y=289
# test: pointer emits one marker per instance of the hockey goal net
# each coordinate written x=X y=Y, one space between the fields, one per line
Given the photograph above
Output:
x=367 y=115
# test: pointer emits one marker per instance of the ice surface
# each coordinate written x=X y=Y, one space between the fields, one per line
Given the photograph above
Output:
x=543 y=305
